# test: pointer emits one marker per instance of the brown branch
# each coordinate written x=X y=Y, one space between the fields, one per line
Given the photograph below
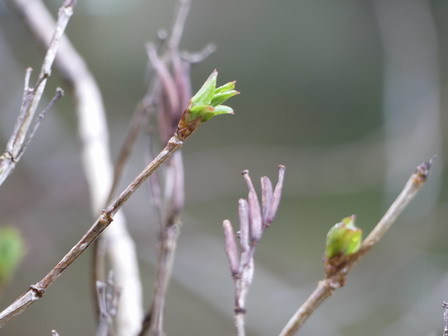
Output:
x=37 y=290
x=32 y=96
x=336 y=278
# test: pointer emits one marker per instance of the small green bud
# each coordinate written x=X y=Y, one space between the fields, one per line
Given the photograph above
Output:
x=11 y=252
x=343 y=239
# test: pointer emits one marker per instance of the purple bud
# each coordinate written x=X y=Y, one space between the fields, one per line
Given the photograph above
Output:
x=276 y=197
x=266 y=198
x=256 y=228
x=243 y=211
x=231 y=247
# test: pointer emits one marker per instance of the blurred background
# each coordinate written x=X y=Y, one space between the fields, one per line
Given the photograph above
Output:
x=349 y=95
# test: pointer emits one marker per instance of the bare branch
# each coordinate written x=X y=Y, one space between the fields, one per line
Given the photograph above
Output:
x=201 y=55
x=59 y=93
x=37 y=290
x=179 y=23
x=445 y=318
x=108 y=294
x=336 y=278
x=32 y=97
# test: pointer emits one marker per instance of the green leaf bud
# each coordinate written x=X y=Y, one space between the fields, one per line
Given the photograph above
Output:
x=343 y=239
x=206 y=104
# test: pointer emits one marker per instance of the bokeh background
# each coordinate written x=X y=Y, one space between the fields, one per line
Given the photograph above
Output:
x=350 y=95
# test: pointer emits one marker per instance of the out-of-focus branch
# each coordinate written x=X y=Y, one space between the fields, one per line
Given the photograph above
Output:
x=411 y=84
x=108 y=294
x=336 y=277
x=97 y=163
x=170 y=230
x=445 y=318
x=32 y=96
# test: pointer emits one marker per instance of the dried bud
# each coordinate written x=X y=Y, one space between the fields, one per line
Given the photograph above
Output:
x=266 y=197
x=231 y=247
x=243 y=212
x=343 y=239
x=256 y=225
x=272 y=211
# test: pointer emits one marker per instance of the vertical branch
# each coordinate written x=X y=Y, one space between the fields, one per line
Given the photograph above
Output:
x=445 y=318
x=92 y=127
x=411 y=88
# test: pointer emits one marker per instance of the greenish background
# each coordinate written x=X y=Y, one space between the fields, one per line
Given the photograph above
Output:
x=316 y=90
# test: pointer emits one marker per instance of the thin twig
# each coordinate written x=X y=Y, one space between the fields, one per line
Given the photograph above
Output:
x=32 y=97
x=59 y=93
x=199 y=56
x=37 y=290
x=336 y=278
x=109 y=294
x=170 y=229
x=445 y=318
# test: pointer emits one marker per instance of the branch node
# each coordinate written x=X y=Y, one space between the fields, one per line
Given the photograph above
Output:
x=240 y=310
x=38 y=290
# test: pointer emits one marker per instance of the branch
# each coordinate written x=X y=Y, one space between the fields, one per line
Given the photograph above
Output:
x=97 y=163
x=203 y=106
x=32 y=96
x=336 y=277
x=36 y=291
x=445 y=318
x=108 y=294
x=170 y=230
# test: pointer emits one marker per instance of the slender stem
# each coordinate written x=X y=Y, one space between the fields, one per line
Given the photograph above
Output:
x=239 y=323
x=154 y=320
x=326 y=287
x=32 y=97
x=37 y=290
x=445 y=318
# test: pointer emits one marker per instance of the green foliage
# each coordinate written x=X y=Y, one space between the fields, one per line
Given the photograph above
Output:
x=11 y=252
x=206 y=103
